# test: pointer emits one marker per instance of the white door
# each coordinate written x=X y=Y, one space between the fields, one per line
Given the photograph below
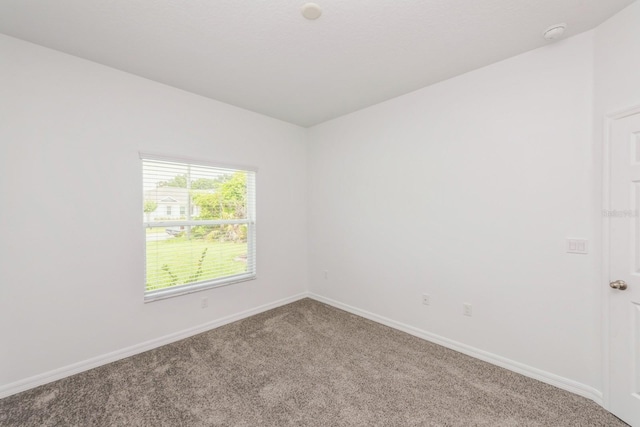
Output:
x=624 y=290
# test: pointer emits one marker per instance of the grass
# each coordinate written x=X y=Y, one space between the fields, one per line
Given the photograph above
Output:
x=155 y=230
x=178 y=261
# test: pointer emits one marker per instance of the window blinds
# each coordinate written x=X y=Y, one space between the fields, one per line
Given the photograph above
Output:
x=199 y=226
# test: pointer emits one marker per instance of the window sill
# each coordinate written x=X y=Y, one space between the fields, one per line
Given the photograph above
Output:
x=175 y=291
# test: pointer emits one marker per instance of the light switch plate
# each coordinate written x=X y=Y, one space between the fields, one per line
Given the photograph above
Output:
x=577 y=246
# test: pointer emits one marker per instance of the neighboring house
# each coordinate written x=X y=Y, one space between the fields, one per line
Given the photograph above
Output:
x=172 y=202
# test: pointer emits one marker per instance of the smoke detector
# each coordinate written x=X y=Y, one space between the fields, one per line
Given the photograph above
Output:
x=311 y=11
x=554 y=31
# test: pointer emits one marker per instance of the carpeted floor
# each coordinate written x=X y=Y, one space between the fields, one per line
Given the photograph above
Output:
x=303 y=364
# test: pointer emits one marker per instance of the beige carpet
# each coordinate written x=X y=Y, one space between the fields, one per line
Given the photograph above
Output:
x=304 y=364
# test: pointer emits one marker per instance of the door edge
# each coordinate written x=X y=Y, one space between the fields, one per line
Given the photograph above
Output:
x=609 y=119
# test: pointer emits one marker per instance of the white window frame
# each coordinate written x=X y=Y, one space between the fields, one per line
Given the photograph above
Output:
x=250 y=221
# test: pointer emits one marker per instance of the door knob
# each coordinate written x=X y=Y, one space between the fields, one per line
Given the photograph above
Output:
x=619 y=284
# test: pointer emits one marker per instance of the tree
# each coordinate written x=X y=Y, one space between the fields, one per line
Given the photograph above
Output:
x=179 y=181
x=205 y=183
x=149 y=206
x=228 y=201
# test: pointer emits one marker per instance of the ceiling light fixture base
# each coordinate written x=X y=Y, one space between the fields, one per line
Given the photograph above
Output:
x=554 y=31
x=311 y=11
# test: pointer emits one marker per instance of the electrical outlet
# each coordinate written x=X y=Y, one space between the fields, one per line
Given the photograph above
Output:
x=204 y=303
x=466 y=309
x=326 y=275
x=426 y=299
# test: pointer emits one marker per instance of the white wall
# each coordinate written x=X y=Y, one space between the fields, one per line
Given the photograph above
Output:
x=71 y=271
x=466 y=190
x=617 y=63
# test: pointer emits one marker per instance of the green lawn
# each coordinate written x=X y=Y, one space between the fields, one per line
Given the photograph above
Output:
x=177 y=261
x=155 y=230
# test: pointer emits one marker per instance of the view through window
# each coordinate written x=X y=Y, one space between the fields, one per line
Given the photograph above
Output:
x=199 y=224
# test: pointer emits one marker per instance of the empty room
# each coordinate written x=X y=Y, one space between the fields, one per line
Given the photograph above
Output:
x=338 y=213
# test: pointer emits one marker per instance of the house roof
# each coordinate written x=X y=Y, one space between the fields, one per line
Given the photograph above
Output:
x=173 y=195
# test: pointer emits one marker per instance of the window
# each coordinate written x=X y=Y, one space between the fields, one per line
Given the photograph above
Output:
x=213 y=242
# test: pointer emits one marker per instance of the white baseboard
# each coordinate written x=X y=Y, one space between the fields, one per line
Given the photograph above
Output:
x=538 y=374
x=546 y=377
x=94 y=362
